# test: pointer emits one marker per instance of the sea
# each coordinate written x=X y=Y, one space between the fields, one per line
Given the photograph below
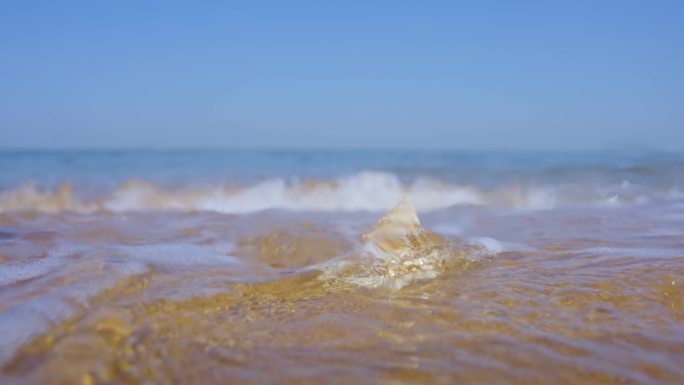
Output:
x=201 y=266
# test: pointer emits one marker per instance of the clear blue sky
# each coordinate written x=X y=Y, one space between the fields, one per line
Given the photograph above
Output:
x=384 y=74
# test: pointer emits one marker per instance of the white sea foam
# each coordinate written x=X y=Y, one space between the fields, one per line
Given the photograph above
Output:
x=20 y=321
x=399 y=251
x=13 y=272
x=180 y=255
x=363 y=191
x=491 y=245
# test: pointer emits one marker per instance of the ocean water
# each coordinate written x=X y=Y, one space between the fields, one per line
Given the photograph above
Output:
x=301 y=266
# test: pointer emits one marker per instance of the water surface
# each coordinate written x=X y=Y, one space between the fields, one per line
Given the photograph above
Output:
x=128 y=267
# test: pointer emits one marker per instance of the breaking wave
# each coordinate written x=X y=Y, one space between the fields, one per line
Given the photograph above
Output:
x=399 y=251
x=364 y=191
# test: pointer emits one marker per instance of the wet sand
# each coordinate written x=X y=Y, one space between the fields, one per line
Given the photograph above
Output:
x=467 y=295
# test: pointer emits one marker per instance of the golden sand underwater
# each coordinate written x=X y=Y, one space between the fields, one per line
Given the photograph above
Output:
x=589 y=296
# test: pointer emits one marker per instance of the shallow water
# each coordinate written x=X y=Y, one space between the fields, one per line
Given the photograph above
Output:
x=517 y=268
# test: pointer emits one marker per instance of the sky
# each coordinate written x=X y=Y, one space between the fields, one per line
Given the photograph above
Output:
x=573 y=75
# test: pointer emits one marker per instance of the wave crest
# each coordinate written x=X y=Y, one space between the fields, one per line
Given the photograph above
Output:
x=399 y=251
x=364 y=191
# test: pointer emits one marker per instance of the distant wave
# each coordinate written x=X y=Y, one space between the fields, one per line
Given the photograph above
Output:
x=363 y=191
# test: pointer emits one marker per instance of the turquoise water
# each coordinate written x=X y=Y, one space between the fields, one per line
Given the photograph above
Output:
x=557 y=178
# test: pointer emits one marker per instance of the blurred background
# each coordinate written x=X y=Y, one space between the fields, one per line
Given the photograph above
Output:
x=520 y=75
